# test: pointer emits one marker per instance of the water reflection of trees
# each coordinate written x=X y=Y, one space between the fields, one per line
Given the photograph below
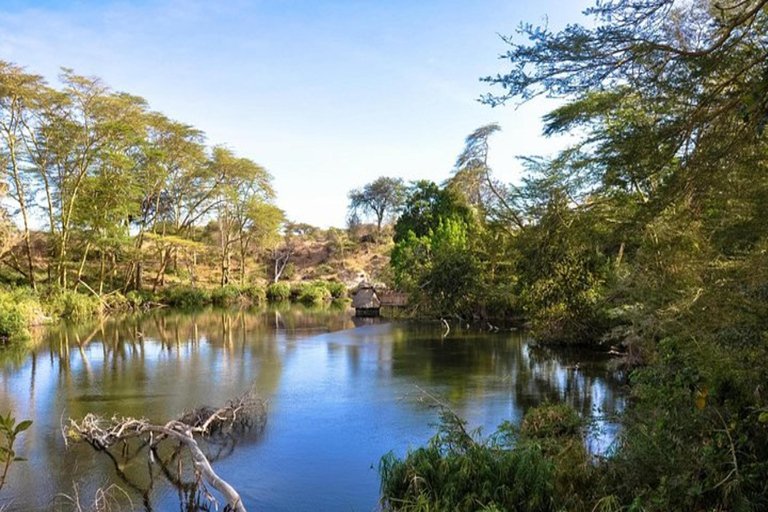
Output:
x=160 y=364
x=149 y=366
x=468 y=365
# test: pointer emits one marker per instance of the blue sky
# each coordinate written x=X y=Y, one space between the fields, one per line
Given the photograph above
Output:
x=327 y=95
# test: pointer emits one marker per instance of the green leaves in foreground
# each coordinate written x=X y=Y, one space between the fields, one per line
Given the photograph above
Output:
x=513 y=469
x=9 y=431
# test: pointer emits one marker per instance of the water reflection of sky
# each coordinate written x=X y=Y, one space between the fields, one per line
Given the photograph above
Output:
x=339 y=398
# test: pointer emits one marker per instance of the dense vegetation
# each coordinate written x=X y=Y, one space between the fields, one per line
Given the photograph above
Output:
x=538 y=467
x=648 y=234
x=107 y=205
x=115 y=184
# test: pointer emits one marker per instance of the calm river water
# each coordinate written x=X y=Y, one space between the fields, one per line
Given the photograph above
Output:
x=340 y=396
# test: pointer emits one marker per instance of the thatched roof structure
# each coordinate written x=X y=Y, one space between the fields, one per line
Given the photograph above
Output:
x=366 y=298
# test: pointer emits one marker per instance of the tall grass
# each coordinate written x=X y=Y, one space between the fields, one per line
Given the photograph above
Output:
x=514 y=469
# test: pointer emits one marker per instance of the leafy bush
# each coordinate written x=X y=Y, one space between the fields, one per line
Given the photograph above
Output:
x=225 y=295
x=255 y=294
x=310 y=293
x=12 y=321
x=278 y=291
x=458 y=472
x=11 y=277
x=297 y=289
x=138 y=298
x=337 y=290
x=541 y=466
x=186 y=297
x=9 y=432
x=116 y=302
x=71 y=305
x=551 y=420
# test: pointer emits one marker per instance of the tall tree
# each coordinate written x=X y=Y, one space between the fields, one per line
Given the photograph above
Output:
x=472 y=178
x=380 y=198
x=656 y=218
x=19 y=93
x=170 y=203
x=8 y=234
x=244 y=187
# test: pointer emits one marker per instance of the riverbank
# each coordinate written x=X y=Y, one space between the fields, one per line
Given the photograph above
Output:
x=22 y=307
x=339 y=397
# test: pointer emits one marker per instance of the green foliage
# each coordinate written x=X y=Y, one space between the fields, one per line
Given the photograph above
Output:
x=255 y=294
x=11 y=277
x=310 y=293
x=186 y=297
x=115 y=302
x=435 y=257
x=138 y=299
x=551 y=421
x=278 y=292
x=225 y=295
x=70 y=304
x=452 y=280
x=694 y=437
x=513 y=469
x=337 y=290
x=12 y=321
x=16 y=310
x=9 y=432
x=426 y=206
x=651 y=228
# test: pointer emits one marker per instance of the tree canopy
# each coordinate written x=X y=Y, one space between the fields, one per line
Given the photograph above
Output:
x=112 y=179
x=381 y=198
x=647 y=235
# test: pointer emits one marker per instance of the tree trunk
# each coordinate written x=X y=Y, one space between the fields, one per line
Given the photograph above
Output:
x=23 y=208
x=102 y=268
x=225 y=263
x=242 y=267
x=160 y=277
x=82 y=265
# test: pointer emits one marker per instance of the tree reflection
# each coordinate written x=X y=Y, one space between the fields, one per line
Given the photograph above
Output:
x=160 y=364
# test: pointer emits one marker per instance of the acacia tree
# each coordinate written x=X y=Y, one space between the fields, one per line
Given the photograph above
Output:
x=662 y=88
x=174 y=154
x=86 y=130
x=244 y=186
x=108 y=169
x=380 y=198
x=8 y=234
x=259 y=221
x=19 y=92
x=472 y=179
x=657 y=215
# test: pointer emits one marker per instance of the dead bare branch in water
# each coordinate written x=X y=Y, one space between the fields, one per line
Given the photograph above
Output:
x=242 y=414
x=106 y=499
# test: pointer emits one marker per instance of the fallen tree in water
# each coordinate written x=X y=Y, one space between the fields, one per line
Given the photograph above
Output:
x=245 y=413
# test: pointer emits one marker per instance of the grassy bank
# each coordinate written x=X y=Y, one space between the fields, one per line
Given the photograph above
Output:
x=21 y=307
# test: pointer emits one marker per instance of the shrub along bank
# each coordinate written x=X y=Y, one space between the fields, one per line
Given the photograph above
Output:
x=22 y=307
